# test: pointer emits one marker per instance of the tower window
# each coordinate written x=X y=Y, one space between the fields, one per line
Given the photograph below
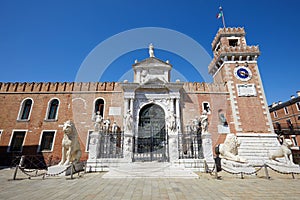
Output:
x=25 y=109
x=233 y=42
x=17 y=141
x=52 y=109
x=47 y=139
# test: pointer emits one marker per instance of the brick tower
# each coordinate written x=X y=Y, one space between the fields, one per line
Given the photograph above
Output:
x=235 y=65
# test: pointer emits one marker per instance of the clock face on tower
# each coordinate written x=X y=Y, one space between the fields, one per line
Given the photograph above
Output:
x=242 y=73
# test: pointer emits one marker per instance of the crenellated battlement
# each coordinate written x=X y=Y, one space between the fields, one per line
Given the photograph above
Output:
x=205 y=87
x=59 y=87
x=231 y=31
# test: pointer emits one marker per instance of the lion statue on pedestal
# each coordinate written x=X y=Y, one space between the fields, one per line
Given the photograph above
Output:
x=71 y=152
x=284 y=151
x=229 y=149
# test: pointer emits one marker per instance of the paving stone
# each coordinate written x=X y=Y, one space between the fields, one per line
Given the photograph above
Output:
x=92 y=186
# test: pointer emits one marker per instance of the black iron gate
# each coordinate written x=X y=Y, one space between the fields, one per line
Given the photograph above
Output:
x=150 y=143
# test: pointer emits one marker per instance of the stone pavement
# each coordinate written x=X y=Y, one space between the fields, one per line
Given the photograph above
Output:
x=93 y=186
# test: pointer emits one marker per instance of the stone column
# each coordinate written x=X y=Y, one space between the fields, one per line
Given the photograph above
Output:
x=131 y=106
x=178 y=115
x=128 y=134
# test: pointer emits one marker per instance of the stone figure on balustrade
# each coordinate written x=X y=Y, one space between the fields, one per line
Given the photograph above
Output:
x=128 y=122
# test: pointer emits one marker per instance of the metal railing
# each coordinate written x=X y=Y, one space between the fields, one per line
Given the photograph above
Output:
x=190 y=145
x=110 y=145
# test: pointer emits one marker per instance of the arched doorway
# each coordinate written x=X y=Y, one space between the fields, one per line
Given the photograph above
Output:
x=150 y=143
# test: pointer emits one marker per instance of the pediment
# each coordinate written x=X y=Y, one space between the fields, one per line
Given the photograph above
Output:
x=152 y=62
x=155 y=80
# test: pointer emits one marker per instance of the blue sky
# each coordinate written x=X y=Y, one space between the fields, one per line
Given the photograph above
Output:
x=47 y=41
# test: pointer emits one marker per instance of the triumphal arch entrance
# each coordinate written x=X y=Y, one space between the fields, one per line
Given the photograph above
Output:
x=150 y=142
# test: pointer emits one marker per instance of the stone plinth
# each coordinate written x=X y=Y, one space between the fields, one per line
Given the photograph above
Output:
x=283 y=167
x=58 y=170
x=237 y=167
x=173 y=147
x=94 y=145
x=127 y=150
x=207 y=147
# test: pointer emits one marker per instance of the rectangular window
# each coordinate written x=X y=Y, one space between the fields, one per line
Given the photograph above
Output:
x=47 y=141
x=17 y=141
x=289 y=123
x=88 y=141
x=286 y=110
x=275 y=114
x=298 y=106
x=294 y=139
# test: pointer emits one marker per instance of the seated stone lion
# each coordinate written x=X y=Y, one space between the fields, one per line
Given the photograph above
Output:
x=71 y=152
x=229 y=149
x=284 y=151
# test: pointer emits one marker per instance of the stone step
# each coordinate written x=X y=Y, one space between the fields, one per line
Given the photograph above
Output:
x=257 y=147
x=149 y=170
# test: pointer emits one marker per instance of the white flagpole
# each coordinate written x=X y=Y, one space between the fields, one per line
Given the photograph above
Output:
x=223 y=19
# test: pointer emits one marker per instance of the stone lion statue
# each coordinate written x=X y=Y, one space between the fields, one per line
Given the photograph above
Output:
x=283 y=151
x=71 y=152
x=229 y=149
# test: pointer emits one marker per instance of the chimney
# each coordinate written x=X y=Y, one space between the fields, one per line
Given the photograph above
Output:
x=279 y=102
x=293 y=97
x=298 y=93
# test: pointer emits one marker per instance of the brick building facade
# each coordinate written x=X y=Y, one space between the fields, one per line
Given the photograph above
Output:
x=33 y=113
x=286 y=122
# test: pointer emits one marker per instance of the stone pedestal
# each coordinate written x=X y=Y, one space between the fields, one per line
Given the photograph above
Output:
x=237 y=167
x=283 y=167
x=94 y=145
x=173 y=147
x=58 y=170
x=207 y=147
x=127 y=148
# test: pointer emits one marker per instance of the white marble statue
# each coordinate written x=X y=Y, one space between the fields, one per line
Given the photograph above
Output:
x=128 y=122
x=71 y=152
x=151 y=50
x=229 y=149
x=171 y=120
x=98 y=120
x=195 y=125
x=114 y=127
x=284 y=151
x=204 y=122
x=106 y=125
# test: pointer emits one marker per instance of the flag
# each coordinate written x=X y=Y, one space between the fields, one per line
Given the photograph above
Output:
x=219 y=15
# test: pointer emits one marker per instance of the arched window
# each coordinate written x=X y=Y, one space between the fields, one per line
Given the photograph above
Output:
x=99 y=106
x=53 y=109
x=25 y=109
